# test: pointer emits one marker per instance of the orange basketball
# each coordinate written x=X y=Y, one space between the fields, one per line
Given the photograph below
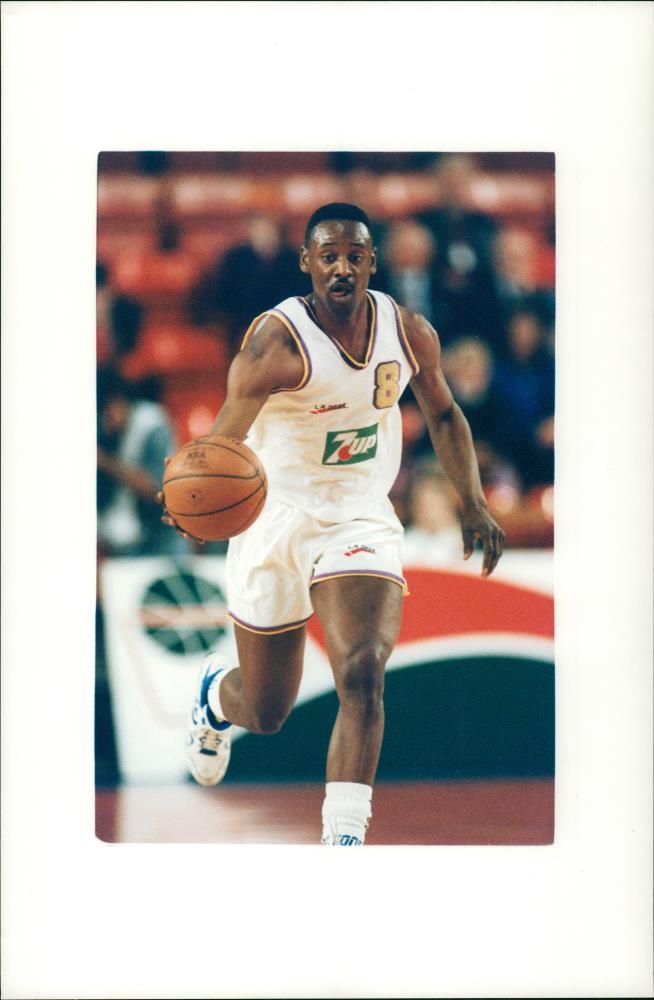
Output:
x=214 y=487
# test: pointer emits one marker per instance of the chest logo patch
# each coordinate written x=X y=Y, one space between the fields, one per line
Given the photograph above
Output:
x=349 y=447
x=328 y=407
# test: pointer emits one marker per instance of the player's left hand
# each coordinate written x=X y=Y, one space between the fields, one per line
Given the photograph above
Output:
x=477 y=523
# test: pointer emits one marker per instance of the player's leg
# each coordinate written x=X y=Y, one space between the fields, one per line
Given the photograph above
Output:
x=260 y=694
x=266 y=572
x=257 y=694
x=360 y=616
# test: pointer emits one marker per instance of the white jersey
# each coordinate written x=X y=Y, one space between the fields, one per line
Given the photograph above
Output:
x=331 y=445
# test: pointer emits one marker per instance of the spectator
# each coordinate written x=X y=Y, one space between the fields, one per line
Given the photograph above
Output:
x=526 y=381
x=406 y=269
x=154 y=162
x=468 y=366
x=251 y=275
x=497 y=472
x=118 y=319
x=434 y=531
x=134 y=437
x=345 y=162
x=167 y=227
x=453 y=219
x=463 y=265
x=515 y=256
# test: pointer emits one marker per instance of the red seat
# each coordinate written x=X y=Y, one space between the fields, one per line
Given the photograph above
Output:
x=151 y=272
x=118 y=241
x=193 y=403
x=208 y=242
x=127 y=196
x=172 y=349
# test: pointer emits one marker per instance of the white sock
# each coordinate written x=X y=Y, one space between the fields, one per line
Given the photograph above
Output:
x=345 y=813
x=213 y=696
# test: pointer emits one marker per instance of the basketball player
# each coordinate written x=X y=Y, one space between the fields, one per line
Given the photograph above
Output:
x=315 y=390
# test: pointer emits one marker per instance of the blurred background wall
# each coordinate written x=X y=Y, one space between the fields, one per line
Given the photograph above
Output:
x=192 y=245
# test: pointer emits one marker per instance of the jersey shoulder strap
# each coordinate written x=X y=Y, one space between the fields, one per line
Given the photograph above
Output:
x=280 y=313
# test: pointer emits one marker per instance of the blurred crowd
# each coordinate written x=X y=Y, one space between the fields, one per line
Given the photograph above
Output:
x=487 y=285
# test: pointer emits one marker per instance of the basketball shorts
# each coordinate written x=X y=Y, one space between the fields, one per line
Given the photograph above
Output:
x=272 y=566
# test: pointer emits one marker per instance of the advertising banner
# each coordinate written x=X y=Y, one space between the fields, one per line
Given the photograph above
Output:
x=469 y=688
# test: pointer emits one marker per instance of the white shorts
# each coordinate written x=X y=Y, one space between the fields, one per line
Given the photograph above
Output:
x=272 y=566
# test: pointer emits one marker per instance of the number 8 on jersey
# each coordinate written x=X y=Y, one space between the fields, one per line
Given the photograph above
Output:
x=387 y=388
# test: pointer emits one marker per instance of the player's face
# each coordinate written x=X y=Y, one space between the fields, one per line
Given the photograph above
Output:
x=340 y=259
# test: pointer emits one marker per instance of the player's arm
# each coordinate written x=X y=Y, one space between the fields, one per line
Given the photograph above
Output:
x=450 y=435
x=269 y=360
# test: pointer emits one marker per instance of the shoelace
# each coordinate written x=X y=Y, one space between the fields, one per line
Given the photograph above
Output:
x=210 y=739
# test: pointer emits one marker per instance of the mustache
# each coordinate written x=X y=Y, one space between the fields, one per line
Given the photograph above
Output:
x=342 y=283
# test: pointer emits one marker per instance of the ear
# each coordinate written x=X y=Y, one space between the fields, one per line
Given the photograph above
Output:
x=373 y=261
x=304 y=260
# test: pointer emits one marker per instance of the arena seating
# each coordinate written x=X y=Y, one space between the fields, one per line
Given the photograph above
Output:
x=207 y=198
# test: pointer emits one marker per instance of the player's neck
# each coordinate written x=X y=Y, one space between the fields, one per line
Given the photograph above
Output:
x=347 y=326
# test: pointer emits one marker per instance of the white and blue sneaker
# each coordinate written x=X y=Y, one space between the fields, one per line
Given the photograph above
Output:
x=209 y=741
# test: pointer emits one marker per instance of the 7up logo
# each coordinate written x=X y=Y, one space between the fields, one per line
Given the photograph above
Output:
x=348 y=447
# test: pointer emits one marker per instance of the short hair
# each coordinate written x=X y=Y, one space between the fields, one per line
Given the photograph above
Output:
x=336 y=211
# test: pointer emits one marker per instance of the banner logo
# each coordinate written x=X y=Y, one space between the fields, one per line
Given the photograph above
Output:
x=349 y=447
x=183 y=612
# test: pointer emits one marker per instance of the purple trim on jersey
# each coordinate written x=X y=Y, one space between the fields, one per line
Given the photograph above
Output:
x=401 y=336
x=373 y=336
x=308 y=310
x=359 y=572
x=265 y=630
x=358 y=366
x=307 y=356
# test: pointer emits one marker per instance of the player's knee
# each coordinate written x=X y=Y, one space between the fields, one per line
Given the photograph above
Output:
x=266 y=720
x=362 y=677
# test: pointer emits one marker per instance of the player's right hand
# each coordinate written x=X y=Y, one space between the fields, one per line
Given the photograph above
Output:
x=168 y=519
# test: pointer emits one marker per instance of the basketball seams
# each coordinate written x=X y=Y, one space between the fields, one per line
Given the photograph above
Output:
x=219 y=510
x=242 y=527
x=212 y=475
x=253 y=516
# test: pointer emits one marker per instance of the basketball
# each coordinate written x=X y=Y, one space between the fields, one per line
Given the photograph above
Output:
x=214 y=488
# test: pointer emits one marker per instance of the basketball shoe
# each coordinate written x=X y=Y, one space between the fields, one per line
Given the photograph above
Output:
x=209 y=741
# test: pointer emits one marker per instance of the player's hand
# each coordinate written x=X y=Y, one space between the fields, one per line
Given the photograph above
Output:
x=168 y=519
x=477 y=524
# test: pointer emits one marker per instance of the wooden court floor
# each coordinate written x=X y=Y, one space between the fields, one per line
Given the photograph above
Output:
x=453 y=812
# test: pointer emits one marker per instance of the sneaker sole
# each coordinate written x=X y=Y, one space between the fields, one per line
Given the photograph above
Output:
x=207 y=782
